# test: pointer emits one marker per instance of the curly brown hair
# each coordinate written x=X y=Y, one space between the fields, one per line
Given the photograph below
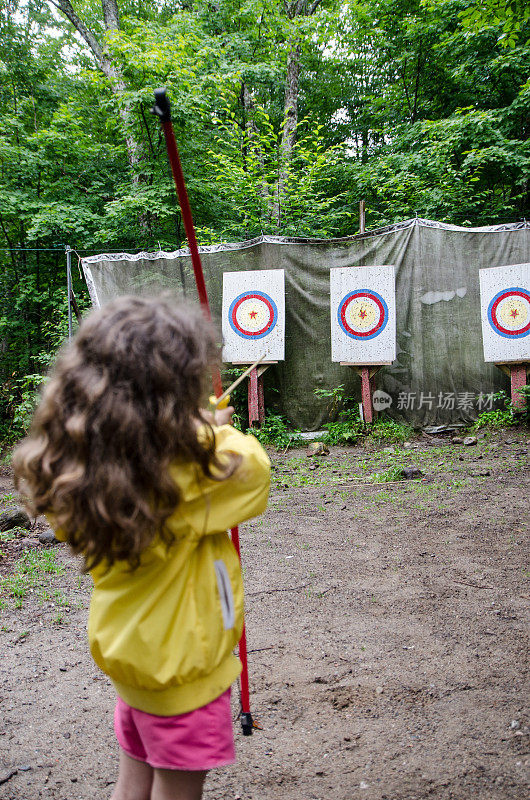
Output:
x=121 y=405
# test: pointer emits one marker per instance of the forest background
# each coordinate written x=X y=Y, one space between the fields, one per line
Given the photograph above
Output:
x=287 y=113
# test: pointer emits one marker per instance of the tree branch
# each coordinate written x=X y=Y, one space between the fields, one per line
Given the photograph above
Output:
x=148 y=132
x=68 y=10
x=111 y=15
x=11 y=248
x=403 y=75
x=313 y=7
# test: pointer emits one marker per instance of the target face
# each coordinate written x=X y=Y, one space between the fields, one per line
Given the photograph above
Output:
x=509 y=313
x=505 y=313
x=253 y=315
x=362 y=314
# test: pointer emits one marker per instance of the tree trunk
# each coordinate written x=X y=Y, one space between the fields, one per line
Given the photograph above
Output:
x=296 y=8
x=110 y=70
x=290 y=122
x=252 y=143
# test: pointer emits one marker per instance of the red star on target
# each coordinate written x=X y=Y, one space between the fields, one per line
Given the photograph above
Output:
x=253 y=314
x=514 y=313
x=362 y=313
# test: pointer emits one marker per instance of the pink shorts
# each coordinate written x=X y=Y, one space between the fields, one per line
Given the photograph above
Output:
x=199 y=740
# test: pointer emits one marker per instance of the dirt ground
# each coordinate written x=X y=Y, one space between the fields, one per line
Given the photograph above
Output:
x=387 y=628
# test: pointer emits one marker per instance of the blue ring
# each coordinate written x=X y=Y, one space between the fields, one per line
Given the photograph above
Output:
x=265 y=297
x=378 y=331
x=490 y=319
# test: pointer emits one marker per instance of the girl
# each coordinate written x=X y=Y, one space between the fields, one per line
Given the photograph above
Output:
x=143 y=484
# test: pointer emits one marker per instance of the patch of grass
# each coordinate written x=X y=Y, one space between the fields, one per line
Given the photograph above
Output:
x=503 y=417
x=60 y=598
x=391 y=474
x=388 y=430
x=17 y=532
x=31 y=575
x=346 y=430
x=7 y=499
x=276 y=432
x=349 y=428
x=302 y=471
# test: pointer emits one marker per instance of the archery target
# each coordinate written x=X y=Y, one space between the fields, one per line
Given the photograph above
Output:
x=253 y=315
x=505 y=307
x=363 y=314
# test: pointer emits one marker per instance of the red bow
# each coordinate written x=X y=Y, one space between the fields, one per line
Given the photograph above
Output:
x=162 y=110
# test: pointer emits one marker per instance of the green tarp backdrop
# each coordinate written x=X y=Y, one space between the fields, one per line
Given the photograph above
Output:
x=439 y=375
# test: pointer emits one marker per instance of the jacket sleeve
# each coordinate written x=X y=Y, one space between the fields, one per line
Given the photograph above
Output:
x=223 y=504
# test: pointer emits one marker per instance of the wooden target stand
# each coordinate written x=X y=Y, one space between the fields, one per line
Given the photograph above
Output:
x=518 y=372
x=367 y=373
x=256 y=395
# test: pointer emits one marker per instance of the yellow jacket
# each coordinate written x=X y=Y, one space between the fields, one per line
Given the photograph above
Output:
x=165 y=632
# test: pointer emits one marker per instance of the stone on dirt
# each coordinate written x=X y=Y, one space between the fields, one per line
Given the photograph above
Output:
x=6 y=774
x=14 y=518
x=469 y=440
x=410 y=473
x=48 y=537
x=317 y=449
x=457 y=440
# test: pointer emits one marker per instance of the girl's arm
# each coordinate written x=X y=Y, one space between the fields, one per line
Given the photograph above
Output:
x=212 y=506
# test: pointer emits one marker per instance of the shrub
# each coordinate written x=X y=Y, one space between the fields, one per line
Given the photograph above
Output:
x=503 y=417
x=346 y=430
x=276 y=432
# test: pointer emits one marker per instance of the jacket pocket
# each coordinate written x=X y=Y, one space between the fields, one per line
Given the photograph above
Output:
x=226 y=595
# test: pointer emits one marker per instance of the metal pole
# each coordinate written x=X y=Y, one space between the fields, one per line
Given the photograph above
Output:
x=362 y=217
x=69 y=289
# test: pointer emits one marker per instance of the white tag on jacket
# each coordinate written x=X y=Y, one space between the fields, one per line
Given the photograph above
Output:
x=225 y=594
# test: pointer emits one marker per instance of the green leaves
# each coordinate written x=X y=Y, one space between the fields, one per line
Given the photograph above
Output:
x=416 y=106
x=508 y=16
x=248 y=161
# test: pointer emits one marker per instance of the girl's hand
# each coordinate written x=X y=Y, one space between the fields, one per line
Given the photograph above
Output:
x=221 y=416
